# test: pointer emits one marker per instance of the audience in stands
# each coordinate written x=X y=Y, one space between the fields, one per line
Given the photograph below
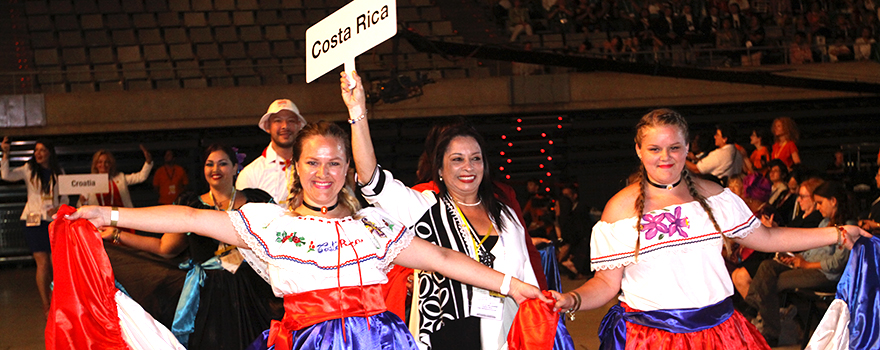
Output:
x=725 y=161
x=863 y=45
x=710 y=25
x=815 y=268
x=519 y=20
x=560 y=17
x=799 y=51
x=754 y=41
x=727 y=40
x=839 y=50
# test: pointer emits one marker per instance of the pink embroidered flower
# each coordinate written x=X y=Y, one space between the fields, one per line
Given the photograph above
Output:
x=677 y=224
x=653 y=224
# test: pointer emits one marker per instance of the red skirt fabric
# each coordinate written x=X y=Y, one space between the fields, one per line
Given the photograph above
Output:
x=735 y=333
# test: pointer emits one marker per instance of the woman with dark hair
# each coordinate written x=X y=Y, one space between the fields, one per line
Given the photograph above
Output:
x=761 y=155
x=467 y=213
x=781 y=197
x=234 y=304
x=324 y=254
x=40 y=174
x=660 y=240
x=103 y=162
x=819 y=267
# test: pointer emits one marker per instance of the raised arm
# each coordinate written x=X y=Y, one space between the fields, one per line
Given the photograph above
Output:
x=361 y=143
x=790 y=239
x=425 y=256
x=167 y=218
x=7 y=174
x=141 y=176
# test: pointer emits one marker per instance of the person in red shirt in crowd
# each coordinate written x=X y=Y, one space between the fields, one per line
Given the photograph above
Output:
x=786 y=133
x=170 y=179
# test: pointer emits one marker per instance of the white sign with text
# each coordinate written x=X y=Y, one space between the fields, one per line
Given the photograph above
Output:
x=347 y=33
x=83 y=184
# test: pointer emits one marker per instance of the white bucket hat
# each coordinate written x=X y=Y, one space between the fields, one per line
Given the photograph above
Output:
x=277 y=106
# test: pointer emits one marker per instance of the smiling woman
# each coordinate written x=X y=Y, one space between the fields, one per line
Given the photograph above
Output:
x=467 y=213
x=233 y=304
x=40 y=173
x=661 y=246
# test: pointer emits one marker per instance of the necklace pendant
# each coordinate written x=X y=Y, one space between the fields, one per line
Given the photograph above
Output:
x=323 y=210
x=669 y=187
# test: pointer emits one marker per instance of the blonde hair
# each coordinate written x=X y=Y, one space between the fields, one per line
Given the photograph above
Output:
x=657 y=118
x=346 y=194
x=112 y=170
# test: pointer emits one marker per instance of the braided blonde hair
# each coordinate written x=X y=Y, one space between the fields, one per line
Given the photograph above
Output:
x=657 y=118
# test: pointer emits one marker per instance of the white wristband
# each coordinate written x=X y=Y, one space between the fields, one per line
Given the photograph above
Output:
x=114 y=216
x=505 y=285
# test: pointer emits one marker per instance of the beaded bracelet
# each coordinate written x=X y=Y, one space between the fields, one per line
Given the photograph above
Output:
x=357 y=119
x=116 y=233
x=841 y=236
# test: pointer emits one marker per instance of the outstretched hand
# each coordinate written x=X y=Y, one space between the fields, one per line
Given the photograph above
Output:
x=521 y=291
x=853 y=233
x=94 y=214
x=354 y=97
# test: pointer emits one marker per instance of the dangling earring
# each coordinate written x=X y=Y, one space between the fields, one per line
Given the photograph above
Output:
x=441 y=176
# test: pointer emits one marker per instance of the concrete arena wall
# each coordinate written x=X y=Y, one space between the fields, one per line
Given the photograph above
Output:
x=95 y=112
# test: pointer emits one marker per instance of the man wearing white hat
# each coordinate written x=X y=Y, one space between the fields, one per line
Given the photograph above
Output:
x=272 y=171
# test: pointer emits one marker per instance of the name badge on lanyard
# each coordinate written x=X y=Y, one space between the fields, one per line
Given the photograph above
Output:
x=485 y=304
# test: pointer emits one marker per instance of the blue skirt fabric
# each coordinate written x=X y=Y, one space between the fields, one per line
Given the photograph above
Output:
x=381 y=331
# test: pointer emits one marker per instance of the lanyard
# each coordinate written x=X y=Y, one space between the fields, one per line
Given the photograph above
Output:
x=473 y=232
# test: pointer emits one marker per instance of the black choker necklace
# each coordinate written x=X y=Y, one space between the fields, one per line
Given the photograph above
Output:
x=665 y=187
x=323 y=210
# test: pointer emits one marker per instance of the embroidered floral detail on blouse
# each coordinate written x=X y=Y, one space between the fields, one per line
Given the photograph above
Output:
x=677 y=223
x=389 y=225
x=653 y=226
x=282 y=237
x=373 y=228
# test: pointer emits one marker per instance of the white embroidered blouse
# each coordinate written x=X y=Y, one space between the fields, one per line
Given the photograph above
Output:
x=304 y=253
x=679 y=264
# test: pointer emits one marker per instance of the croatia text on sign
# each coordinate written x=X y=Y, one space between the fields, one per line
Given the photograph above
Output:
x=348 y=32
x=83 y=184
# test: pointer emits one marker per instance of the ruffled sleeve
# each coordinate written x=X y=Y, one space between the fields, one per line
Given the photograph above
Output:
x=613 y=244
x=251 y=222
x=388 y=234
x=733 y=215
